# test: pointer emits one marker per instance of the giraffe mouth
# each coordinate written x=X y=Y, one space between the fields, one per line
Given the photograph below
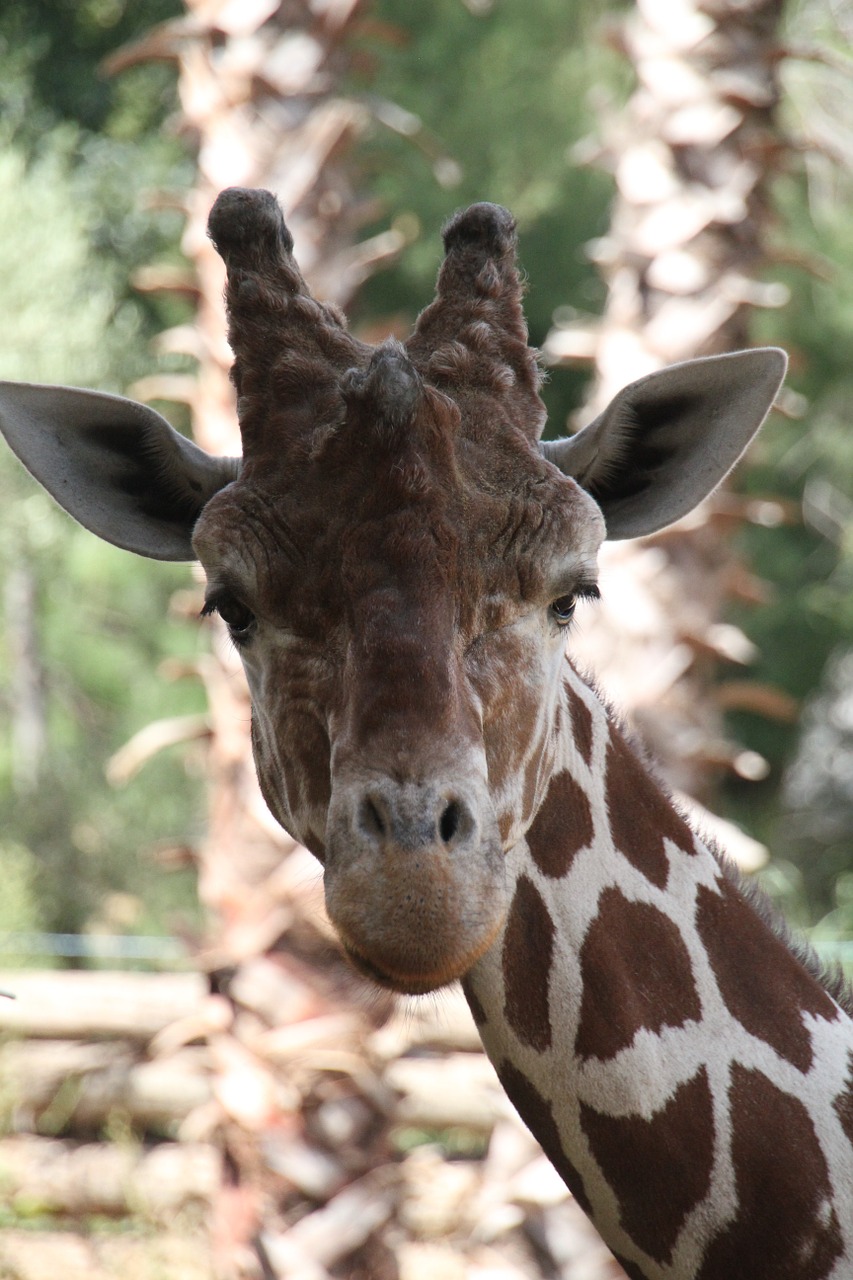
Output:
x=414 y=877
x=418 y=984
x=406 y=985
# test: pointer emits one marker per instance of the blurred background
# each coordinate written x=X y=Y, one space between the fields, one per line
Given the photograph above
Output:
x=681 y=175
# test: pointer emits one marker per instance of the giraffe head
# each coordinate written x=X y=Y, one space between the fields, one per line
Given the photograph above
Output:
x=397 y=558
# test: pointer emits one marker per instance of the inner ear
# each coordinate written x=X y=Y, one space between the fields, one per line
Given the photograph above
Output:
x=642 y=439
x=116 y=466
x=665 y=442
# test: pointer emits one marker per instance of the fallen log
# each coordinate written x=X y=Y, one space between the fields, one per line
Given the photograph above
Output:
x=324 y=1237
x=86 y=1005
x=133 y=1254
x=460 y=1089
x=62 y=1086
x=52 y=1176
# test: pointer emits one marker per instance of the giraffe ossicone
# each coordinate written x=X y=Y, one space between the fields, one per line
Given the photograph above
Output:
x=397 y=557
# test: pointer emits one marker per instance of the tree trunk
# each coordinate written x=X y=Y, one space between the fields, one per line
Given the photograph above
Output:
x=693 y=155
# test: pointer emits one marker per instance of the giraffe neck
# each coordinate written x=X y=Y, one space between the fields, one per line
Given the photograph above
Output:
x=689 y=1077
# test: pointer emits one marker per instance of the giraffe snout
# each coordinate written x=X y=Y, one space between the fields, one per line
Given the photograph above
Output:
x=414 y=878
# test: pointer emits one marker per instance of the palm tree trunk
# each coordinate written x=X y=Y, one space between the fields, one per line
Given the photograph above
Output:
x=693 y=155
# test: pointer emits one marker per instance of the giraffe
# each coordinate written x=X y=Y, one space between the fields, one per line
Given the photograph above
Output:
x=398 y=559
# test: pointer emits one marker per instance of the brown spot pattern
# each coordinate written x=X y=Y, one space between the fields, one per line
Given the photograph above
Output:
x=659 y=1169
x=581 y=723
x=537 y=1114
x=561 y=828
x=763 y=984
x=632 y=1271
x=636 y=973
x=785 y=1228
x=478 y=1013
x=843 y=1104
x=528 y=950
x=641 y=817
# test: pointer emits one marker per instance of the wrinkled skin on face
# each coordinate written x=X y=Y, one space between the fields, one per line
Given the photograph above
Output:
x=391 y=540
x=403 y=653
x=399 y=557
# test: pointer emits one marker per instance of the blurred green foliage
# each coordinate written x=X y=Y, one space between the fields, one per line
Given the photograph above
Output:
x=78 y=156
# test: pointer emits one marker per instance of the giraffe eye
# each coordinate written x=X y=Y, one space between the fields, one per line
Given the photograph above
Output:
x=563 y=610
x=237 y=617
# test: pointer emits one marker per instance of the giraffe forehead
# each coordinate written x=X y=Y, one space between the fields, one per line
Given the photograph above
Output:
x=492 y=529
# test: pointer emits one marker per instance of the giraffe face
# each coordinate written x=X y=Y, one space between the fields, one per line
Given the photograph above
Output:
x=398 y=558
x=398 y=586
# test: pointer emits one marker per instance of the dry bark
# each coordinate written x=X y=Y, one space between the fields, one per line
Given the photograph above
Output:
x=693 y=155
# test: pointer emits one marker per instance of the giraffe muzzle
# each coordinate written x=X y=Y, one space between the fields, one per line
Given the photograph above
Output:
x=414 y=878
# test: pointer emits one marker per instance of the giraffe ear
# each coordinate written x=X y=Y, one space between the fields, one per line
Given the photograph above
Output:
x=665 y=442
x=114 y=465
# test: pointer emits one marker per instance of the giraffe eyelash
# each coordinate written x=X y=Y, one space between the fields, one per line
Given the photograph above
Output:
x=237 y=616
x=563 y=607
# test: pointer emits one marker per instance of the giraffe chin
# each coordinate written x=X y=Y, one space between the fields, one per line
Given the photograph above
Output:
x=416 y=984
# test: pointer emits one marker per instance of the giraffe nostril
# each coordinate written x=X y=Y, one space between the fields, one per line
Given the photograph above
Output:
x=371 y=820
x=392 y=818
x=448 y=823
